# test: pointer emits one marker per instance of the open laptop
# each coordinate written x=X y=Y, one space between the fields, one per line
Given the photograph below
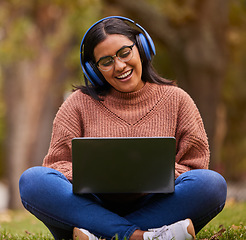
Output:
x=123 y=165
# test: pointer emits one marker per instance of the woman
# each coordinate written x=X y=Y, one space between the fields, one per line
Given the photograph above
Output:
x=125 y=97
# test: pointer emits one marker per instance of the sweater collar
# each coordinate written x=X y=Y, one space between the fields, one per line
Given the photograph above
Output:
x=133 y=97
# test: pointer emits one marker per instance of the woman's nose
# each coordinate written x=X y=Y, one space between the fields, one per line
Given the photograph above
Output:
x=119 y=65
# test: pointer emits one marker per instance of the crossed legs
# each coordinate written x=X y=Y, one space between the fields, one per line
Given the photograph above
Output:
x=199 y=195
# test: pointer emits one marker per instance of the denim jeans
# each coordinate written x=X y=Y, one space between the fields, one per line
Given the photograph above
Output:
x=199 y=195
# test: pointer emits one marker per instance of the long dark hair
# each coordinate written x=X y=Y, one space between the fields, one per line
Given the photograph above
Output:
x=99 y=33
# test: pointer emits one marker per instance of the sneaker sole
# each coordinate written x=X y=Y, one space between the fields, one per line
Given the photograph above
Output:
x=191 y=229
x=79 y=235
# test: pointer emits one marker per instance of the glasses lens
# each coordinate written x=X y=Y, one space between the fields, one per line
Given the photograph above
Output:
x=125 y=54
x=106 y=63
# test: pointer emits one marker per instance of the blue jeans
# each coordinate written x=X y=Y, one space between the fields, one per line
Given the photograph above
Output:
x=199 y=195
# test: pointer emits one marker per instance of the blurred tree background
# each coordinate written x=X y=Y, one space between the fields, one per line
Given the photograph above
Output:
x=200 y=43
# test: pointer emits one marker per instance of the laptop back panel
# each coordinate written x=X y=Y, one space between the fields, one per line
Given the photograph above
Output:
x=123 y=165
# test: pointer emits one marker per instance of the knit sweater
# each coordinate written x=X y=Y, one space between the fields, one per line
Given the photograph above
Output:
x=154 y=110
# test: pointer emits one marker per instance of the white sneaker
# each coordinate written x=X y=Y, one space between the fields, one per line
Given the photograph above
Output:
x=183 y=230
x=82 y=234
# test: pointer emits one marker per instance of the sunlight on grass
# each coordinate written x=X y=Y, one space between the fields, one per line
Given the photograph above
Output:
x=229 y=224
x=233 y=213
x=22 y=225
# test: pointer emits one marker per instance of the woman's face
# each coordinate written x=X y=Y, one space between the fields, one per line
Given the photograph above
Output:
x=123 y=76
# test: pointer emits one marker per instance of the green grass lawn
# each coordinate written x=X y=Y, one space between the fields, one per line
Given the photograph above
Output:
x=229 y=224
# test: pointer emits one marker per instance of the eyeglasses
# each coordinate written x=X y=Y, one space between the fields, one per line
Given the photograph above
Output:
x=124 y=54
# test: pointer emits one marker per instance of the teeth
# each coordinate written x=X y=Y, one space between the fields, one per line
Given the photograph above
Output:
x=125 y=74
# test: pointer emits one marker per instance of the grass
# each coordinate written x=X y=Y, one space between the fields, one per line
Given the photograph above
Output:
x=21 y=225
x=229 y=224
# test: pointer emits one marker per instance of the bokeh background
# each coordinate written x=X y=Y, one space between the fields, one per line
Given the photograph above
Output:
x=200 y=43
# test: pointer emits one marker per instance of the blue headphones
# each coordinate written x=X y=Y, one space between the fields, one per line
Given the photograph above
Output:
x=144 y=42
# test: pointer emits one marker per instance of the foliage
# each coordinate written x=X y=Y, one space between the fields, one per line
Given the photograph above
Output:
x=229 y=224
x=178 y=12
x=27 y=24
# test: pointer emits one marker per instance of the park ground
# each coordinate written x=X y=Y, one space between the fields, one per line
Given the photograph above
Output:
x=229 y=224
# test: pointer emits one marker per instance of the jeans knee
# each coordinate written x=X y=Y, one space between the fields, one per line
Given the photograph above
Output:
x=219 y=186
x=27 y=182
x=210 y=184
x=35 y=180
x=214 y=186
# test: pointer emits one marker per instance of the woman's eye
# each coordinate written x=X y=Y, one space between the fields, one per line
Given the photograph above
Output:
x=107 y=62
x=125 y=53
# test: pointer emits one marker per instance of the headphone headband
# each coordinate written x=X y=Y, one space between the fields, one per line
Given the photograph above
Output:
x=88 y=70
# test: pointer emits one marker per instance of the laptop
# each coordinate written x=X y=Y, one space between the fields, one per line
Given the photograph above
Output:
x=123 y=165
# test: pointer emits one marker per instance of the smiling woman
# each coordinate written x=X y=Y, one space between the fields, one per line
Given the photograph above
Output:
x=124 y=97
x=131 y=34
x=124 y=76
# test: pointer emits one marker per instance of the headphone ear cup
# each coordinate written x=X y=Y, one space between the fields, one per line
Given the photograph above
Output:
x=93 y=74
x=144 y=48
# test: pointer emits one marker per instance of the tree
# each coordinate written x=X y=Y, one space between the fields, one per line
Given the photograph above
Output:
x=195 y=34
x=39 y=42
x=234 y=96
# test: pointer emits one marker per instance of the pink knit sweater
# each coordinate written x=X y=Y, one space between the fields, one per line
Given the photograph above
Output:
x=155 y=110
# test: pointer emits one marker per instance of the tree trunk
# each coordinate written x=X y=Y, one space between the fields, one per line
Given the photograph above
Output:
x=33 y=89
x=25 y=96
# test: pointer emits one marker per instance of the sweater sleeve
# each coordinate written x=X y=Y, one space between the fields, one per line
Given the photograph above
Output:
x=192 y=142
x=67 y=125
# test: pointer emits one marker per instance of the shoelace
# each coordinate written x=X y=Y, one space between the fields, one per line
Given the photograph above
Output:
x=163 y=233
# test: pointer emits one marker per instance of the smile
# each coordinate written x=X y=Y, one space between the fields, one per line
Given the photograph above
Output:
x=124 y=75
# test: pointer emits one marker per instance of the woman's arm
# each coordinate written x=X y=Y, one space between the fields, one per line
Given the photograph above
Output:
x=192 y=142
x=67 y=125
